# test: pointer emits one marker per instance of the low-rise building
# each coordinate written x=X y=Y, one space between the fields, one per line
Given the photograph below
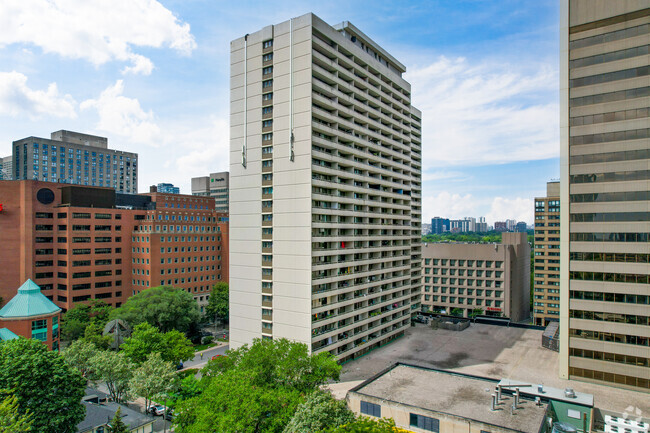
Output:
x=216 y=185
x=100 y=412
x=423 y=399
x=167 y=188
x=492 y=278
x=30 y=314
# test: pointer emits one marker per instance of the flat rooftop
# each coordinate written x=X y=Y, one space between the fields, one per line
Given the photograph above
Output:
x=488 y=351
x=454 y=394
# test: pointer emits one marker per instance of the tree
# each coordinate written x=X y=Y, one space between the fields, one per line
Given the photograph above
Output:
x=77 y=319
x=115 y=369
x=367 y=425
x=318 y=412
x=218 y=304
x=93 y=334
x=43 y=385
x=457 y=312
x=11 y=418
x=232 y=402
x=154 y=379
x=187 y=388
x=172 y=346
x=278 y=363
x=78 y=355
x=476 y=312
x=117 y=425
x=164 y=307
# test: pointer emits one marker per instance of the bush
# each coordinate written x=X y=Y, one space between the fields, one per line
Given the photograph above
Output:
x=207 y=340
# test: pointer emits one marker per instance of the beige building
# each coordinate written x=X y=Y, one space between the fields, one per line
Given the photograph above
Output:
x=605 y=217
x=325 y=189
x=216 y=185
x=493 y=278
x=546 y=301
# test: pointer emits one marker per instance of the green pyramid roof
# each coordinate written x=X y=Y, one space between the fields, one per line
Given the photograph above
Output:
x=6 y=335
x=28 y=302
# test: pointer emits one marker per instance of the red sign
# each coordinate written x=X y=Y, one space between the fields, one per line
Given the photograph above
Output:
x=0 y=207
x=493 y=309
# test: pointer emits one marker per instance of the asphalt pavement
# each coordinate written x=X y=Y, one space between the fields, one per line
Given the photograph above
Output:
x=202 y=358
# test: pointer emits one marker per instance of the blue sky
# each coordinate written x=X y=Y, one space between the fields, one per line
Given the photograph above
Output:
x=153 y=78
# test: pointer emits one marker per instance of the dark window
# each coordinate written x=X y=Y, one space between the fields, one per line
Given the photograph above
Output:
x=371 y=409
x=425 y=422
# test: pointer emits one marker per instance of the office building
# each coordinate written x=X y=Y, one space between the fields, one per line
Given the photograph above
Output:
x=5 y=168
x=29 y=314
x=493 y=278
x=546 y=293
x=426 y=229
x=75 y=158
x=521 y=227
x=605 y=215
x=325 y=205
x=421 y=399
x=216 y=185
x=481 y=225
x=439 y=225
x=82 y=243
x=500 y=226
x=167 y=188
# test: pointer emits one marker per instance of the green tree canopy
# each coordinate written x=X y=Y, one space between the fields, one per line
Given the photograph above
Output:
x=367 y=425
x=187 y=388
x=12 y=420
x=117 y=425
x=164 y=307
x=154 y=379
x=318 y=412
x=76 y=319
x=232 y=402
x=218 y=303
x=43 y=384
x=115 y=370
x=278 y=363
x=172 y=346
x=78 y=355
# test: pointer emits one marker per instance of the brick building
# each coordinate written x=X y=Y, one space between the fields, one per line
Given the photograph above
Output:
x=81 y=243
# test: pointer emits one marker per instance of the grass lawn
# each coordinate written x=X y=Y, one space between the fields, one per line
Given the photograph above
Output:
x=199 y=347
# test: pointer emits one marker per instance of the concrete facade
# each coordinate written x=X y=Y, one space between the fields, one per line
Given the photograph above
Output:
x=546 y=303
x=216 y=185
x=6 y=165
x=492 y=277
x=605 y=216
x=75 y=158
x=325 y=189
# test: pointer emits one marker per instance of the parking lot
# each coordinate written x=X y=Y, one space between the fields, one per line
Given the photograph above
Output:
x=484 y=350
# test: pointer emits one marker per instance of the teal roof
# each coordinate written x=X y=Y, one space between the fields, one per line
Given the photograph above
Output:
x=28 y=302
x=6 y=335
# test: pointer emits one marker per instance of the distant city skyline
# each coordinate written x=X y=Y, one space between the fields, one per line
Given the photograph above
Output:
x=485 y=75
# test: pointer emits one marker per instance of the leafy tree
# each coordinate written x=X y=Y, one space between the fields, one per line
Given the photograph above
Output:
x=78 y=355
x=114 y=369
x=318 y=412
x=218 y=304
x=233 y=402
x=164 y=307
x=476 y=312
x=187 y=388
x=154 y=379
x=76 y=319
x=367 y=425
x=117 y=425
x=457 y=312
x=93 y=334
x=278 y=363
x=145 y=340
x=11 y=418
x=43 y=385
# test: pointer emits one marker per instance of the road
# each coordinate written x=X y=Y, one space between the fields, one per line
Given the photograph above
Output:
x=199 y=362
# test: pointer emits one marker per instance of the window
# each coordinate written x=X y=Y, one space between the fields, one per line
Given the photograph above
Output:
x=39 y=330
x=267 y=70
x=425 y=422
x=370 y=409
x=267 y=96
x=268 y=44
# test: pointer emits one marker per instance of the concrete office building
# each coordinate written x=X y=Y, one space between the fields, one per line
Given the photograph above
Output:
x=494 y=278
x=481 y=225
x=546 y=294
x=168 y=188
x=216 y=185
x=439 y=225
x=521 y=227
x=325 y=205
x=605 y=215
x=81 y=243
x=5 y=168
x=75 y=158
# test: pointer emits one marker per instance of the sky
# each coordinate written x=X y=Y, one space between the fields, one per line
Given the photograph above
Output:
x=153 y=77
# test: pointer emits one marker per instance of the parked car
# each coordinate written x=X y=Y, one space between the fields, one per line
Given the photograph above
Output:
x=156 y=409
x=170 y=415
x=421 y=319
x=180 y=365
x=216 y=356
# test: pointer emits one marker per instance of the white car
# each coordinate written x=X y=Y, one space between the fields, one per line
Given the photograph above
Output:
x=156 y=409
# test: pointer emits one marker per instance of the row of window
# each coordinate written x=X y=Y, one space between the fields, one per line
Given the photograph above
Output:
x=604 y=38
x=610 y=196
x=468 y=263
x=630 y=319
x=610 y=277
x=607 y=137
x=610 y=297
x=611 y=257
x=610 y=57
x=610 y=237
x=610 y=337
x=610 y=217
x=607 y=77
x=628 y=155
x=610 y=377
x=602 y=98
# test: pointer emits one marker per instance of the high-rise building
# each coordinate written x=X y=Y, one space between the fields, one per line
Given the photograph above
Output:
x=521 y=227
x=5 y=168
x=216 y=185
x=605 y=215
x=546 y=294
x=501 y=226
x=82 y=243
x=325 y=205
x=481 y=225
x=75 y=158
x=439 y=225
x=168 y=188
x=492 y=278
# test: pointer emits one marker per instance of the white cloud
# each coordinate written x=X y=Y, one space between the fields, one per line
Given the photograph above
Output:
x=520 y=209
x=123 y=116
x=95 y=30
x=486 y=113
x=448 y=205
x=17 y=99
x=428 y=176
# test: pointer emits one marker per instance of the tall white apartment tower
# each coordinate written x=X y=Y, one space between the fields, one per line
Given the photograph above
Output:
x=325 y=189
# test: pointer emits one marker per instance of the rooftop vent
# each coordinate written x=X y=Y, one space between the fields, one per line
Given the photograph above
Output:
x=569 y=393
